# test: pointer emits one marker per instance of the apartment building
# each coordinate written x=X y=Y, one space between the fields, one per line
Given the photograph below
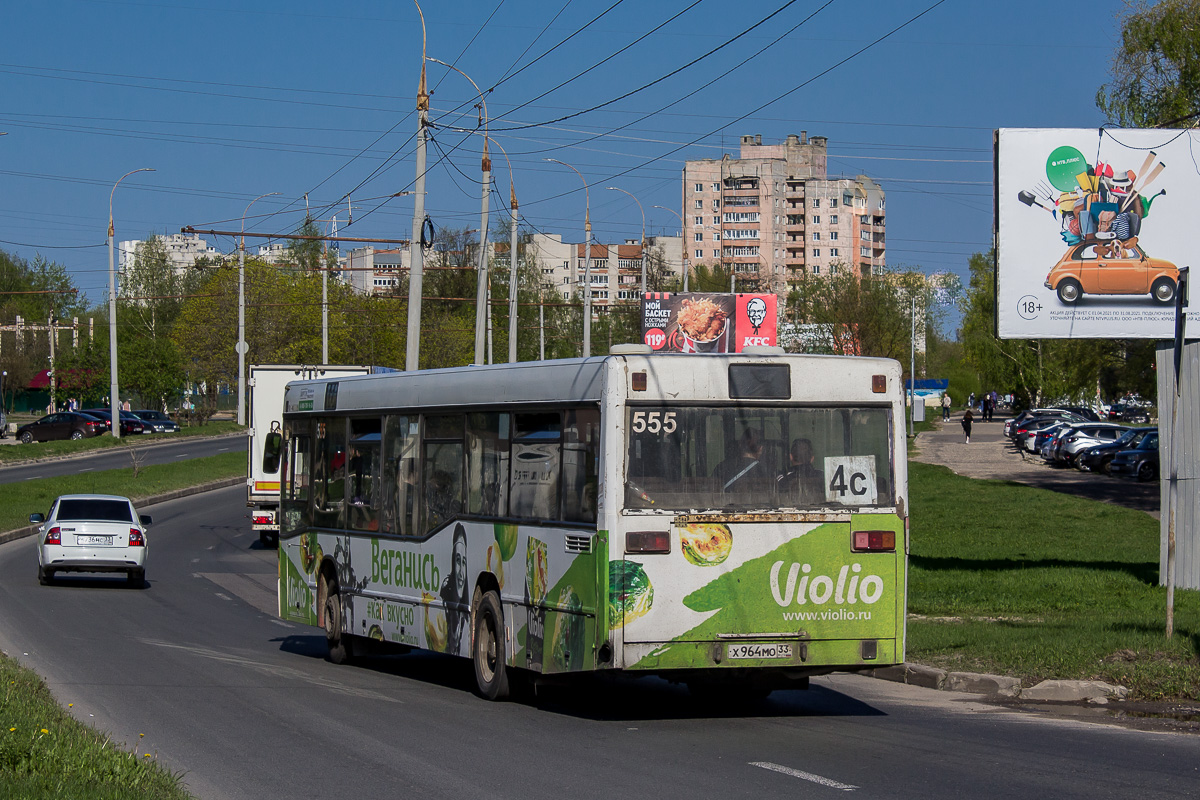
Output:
x=775 y=216
x=182 y=249
x=371 y=271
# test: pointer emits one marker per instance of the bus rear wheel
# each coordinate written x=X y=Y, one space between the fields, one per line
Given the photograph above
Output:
x=487 y=652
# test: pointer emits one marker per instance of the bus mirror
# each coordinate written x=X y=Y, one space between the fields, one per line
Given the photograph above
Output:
x=272 y=448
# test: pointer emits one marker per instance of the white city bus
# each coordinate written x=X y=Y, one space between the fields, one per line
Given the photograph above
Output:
x=736 y=522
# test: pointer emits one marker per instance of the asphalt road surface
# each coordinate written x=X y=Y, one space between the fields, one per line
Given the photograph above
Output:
x=246 y=706
x=152 y=453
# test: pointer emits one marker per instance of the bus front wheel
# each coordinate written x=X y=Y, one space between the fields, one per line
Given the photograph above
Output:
x=340 y=647
x=491 y=675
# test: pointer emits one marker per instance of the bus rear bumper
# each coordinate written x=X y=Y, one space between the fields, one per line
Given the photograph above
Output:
x=803 y=656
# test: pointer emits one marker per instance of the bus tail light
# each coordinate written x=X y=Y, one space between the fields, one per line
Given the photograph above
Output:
x=647 y=542
x=874 y=541
x=879 y=384
x=53 y=536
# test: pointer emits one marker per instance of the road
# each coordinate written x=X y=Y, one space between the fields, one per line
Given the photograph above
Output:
x=156 y=453
x=246 y=706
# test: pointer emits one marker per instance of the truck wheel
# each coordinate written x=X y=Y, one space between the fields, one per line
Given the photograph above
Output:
x=488 y=655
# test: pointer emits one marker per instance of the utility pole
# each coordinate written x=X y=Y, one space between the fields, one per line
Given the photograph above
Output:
x=241 y=346
x=114 y=392
x=512 y=261
x=53 y=376
x=587 y=260
x=412 y=360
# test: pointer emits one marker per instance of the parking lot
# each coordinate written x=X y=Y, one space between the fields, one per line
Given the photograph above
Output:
x=991 y=455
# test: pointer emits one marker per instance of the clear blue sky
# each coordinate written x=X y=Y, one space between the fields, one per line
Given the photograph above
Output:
x=227 y=101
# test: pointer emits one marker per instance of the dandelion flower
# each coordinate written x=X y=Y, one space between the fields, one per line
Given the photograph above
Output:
x=146 y=755
x=45 y=731
x=70 y=705
x=140 y=735
x=10 y=730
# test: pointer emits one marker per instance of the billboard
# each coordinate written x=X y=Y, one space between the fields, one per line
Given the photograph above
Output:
x=696 y=322
x=1091 y=229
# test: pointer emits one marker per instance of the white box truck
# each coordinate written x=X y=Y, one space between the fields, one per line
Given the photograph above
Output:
x=267 y=382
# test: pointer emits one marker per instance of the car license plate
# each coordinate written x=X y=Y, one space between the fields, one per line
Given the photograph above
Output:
x=760 y=651
x=103 y=540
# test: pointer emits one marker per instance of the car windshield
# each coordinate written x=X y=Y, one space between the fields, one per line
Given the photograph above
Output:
x=94 y=510
x=157 y=416
x=698 y=458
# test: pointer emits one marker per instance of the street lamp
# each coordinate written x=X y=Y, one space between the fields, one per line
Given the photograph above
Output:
x=113 y=398
x=512 y=262
x=241 y=346
x=639 y=205
x=416 y=272
x=587 y=260
x=482 y=311
x=683 y=246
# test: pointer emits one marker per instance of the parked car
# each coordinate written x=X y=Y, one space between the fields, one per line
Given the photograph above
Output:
x=1139 y=462
x=1036 y=413
x=1045 y=436
x=129 y=423
x=63 y=425
x=1083 y=436
x=1098 y=457
x=158 y=421
x=1083 y=411
x=92 y=533
x=1026 y=433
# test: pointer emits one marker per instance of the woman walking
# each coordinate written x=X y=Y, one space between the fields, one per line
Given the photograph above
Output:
x=966 y=424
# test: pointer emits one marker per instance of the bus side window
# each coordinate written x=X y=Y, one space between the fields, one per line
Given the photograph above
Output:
x=362 y=474
x=581 y=465
x=295 y=490
x=487 y=464
x=443 y=476
x=536 y=453
x=329 y=473
x=400 y=474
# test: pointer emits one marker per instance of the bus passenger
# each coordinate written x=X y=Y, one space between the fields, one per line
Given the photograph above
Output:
x=802 y=480
x=744 y=469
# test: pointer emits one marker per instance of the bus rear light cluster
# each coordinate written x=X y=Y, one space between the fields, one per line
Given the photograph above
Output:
x=647 y=542
x=874 y=541
x=263 y=520
x=136 y=539
x=53 y=536
x=879 y=384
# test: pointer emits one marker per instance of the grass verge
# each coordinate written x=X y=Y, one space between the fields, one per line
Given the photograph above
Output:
x=10 y=454
x=46 y=754
x=1030 y=583
x=22 y=499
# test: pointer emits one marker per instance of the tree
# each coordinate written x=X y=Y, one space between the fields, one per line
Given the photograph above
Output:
x=310 y=255
x=1156 y=70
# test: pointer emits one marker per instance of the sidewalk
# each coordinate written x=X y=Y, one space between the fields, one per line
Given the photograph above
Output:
x=991 y=456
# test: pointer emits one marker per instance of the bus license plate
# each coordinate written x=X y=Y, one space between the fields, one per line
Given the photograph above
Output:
x=102 y=540
x=760 y=651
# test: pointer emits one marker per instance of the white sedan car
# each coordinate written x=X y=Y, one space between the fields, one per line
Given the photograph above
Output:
x=92 y=533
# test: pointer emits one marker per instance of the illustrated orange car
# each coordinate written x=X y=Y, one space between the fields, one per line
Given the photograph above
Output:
x=1083 y=271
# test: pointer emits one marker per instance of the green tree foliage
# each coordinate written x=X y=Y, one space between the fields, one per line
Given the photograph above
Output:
x=34 y=291
x=310 y=255
x=872 y=315
x=1156 y=69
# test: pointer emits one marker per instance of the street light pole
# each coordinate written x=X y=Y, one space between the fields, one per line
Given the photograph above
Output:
x=639 y=205
x=512 y=261
x=682 y=248
x=241 y=347
x=412 y=359
x=113 y=398
x=587 y=260
x=483 y=287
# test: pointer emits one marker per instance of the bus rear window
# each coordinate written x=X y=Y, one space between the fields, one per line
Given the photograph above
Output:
x=761 y=459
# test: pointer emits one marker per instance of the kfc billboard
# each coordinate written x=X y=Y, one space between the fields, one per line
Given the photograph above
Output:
x=697 y=322
x=1079 y=253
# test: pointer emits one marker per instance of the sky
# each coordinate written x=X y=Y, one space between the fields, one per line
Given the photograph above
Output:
x=228 y=101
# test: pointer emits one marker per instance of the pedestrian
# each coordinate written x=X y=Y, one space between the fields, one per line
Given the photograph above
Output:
x=946 y=407
x=986 y=408
x=966 y=424
x=971 y=400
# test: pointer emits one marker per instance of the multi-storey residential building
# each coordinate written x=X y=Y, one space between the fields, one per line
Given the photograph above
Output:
x=371 y=271
x=776 y=216
x=182 y=250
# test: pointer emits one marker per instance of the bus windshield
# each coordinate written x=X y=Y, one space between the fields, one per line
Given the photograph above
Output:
x=756 y=458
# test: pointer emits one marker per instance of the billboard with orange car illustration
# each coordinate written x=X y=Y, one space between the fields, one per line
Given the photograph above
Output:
x=1079 y=253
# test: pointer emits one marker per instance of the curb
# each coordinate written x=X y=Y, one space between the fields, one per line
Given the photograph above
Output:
x=1000 y=686
x=30 y=530
x=114 y=449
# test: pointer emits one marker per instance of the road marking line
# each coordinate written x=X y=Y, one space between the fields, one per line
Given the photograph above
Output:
x=33 y=477
x=182 y=455
x=282 y=624
x=222 y=449
x=807 y=776
x=89 y=469
x=224 y=596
